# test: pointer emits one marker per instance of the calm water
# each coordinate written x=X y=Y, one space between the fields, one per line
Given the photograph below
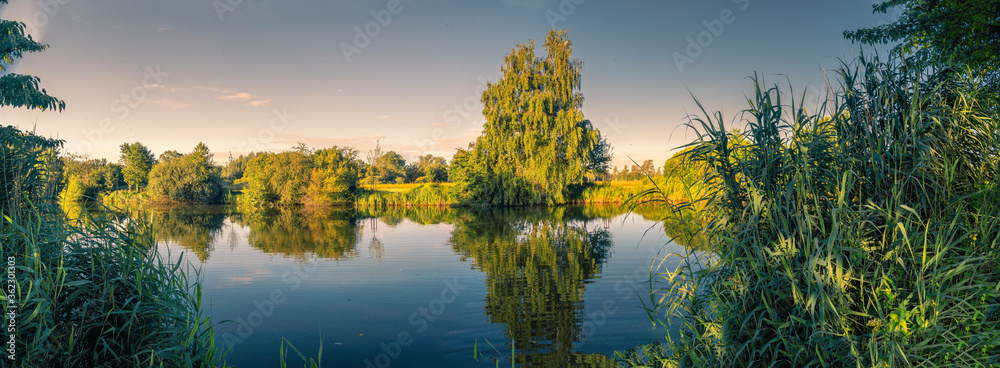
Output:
x=420 y=287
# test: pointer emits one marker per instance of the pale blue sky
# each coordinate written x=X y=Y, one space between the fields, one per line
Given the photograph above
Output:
x=264 y=74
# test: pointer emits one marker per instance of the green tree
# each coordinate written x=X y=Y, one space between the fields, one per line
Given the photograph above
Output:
x=137 y=161
x=962 y=31
x=391 y=167
x=430 y=169
x=333 y=177
x=170 y=155
x=20 y=90
x=275 y=179
x=188 y=179
x=84 y=179
x=535 y=141
x=233 y=171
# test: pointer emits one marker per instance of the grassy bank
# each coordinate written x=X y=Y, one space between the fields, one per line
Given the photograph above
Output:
x=864 y=235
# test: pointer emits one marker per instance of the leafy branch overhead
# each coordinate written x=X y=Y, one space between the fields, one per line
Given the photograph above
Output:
x=20 y=90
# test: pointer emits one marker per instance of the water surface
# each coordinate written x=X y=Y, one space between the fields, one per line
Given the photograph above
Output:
x=422 y=287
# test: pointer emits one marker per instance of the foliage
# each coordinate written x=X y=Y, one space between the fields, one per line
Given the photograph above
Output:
x=137 y=161
x=535 y=142
x=235 y=167
x=390 y=168
x=334 y=176
x=20 y=90
x=866 y=237
x=942 y=31
x=189 y=179
x=170 y=155
x=97 y=295
x=28 y=173
x=317 y=178
x=428 y=169
x=275 y=178
x=85 y=179
x=962 y=29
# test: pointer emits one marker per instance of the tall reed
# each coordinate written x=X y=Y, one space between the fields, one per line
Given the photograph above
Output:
x=866 y=234
x=96 y=294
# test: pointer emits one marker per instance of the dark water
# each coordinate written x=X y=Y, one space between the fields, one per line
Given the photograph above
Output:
x=422 y=287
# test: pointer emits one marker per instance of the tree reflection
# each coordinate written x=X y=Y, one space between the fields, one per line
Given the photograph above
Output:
x=537 y=263
x=331 y=233
x=192 y=227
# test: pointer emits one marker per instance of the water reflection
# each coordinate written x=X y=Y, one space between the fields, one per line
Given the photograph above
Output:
x=537 y=263
x=330 y=233
x=194 y=228
x=334 y=233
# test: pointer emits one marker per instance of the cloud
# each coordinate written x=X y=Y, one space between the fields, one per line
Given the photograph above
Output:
x=173 y=104
x=259 y=103
x=168 y=89
x=242 y=96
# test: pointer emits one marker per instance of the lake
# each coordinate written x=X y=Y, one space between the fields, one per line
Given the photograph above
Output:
x=422 y=287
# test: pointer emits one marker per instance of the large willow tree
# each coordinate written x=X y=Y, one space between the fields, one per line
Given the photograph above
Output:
x=535 y=142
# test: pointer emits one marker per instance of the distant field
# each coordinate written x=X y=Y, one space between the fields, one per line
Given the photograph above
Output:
x=402 y=187
x=622 y=183
x=406 y=187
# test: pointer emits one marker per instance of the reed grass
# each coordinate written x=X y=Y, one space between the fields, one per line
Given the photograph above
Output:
x=865 y=234
x=95 y=294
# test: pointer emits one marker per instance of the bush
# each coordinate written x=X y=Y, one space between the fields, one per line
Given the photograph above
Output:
x=187 y=179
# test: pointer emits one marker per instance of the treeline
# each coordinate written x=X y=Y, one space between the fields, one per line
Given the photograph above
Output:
x=299 y=176
x=310 y=177
x=173 y=177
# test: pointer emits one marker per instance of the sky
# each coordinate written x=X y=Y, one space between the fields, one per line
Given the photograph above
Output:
x=263 y=75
